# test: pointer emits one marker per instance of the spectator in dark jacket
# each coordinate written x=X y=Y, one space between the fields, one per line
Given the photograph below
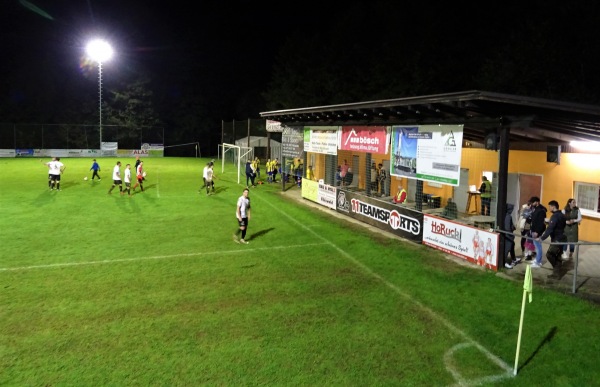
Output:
x=510 y=258
x=538 y=226
x=556 y=232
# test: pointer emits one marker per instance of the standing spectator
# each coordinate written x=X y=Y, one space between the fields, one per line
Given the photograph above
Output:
x=127 y=179
x=275 y=169
x=56 y=168
x=117 y=178
x=508 y=226
x=555 y=230
x=573 y=218
x=486 y=195
x=538 y=226
x=338 y=176
x=96 y=168
x=249 y=174
x=525 y=227
x=374 y=178
x=256 y=164
x=382 y=176
x=242 y=214
x=139 y=174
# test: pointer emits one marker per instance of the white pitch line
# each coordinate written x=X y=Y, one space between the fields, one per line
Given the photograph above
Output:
x=105 y=261
x=460 y=381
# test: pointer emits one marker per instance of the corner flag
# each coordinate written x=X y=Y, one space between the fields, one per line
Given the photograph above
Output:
x=527 y=289
x=528 y=284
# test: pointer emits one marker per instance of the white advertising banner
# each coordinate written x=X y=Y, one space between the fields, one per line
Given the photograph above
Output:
x=322 y=140
x=427 y=152
x=326 y=195
x=475 y=245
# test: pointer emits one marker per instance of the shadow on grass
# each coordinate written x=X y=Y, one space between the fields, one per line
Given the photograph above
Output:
x=546 y=340
x=261 y=233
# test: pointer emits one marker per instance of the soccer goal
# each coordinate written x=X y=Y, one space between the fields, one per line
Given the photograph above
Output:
x=237 y=155
x=191 y=148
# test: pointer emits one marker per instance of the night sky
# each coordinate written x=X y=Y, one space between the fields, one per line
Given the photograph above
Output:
x=226 y=48
x=228 y=45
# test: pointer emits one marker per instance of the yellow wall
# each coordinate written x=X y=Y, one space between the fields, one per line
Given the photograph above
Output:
x=558 y=181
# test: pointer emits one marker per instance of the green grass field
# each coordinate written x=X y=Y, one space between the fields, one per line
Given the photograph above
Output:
x=101 y=289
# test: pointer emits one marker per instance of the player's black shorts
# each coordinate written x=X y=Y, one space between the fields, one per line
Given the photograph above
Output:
x=117 y=182
x=243 y=222
x=55 y=177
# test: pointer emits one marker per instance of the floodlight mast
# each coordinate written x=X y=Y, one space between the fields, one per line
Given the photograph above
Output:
x=99 y=51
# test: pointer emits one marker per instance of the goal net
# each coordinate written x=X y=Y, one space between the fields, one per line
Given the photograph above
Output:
x=236 y=155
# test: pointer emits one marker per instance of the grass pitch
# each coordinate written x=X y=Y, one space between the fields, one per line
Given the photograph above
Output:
x=101 y=289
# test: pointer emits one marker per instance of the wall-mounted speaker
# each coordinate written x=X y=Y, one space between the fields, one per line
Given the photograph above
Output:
x=491 y=141
x=553 y=154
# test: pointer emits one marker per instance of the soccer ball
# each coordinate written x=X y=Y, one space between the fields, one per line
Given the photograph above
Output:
x=144 y=174
x=85 y=178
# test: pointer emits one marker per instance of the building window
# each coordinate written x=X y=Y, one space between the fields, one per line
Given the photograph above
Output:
x=588 y=198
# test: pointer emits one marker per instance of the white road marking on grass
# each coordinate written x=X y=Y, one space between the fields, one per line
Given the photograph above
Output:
x=105 y=261
x=447 y=357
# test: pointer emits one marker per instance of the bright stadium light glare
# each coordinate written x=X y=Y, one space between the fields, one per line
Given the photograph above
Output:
x=99 y=51
x=590 y=146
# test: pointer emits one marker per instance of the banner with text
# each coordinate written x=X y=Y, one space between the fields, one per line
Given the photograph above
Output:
x=292 y=141
x=322 y=140
x=400 y=221
x=368 y=139
x=428 y=152
x=473 y=244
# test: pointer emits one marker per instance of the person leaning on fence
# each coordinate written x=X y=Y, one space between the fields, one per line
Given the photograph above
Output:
x=573 y=219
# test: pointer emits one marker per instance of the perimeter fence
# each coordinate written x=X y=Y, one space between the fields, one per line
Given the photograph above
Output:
x=73 y=136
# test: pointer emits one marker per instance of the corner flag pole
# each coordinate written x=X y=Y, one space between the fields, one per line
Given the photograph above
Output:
x=527 y=289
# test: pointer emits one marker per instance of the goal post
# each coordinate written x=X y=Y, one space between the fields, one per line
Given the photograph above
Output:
x=236 y=155
x=187 y=148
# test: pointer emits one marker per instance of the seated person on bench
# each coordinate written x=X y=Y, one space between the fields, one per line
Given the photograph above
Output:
x=450 y=211
x=349 y=177
x=400 y=196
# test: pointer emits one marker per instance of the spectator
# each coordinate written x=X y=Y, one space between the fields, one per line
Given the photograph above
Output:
x=510 y=259
x=573 y=218
x=450 y=211
x=486 y=195
x=555 y=231
x=525 y=228
x=538 y=226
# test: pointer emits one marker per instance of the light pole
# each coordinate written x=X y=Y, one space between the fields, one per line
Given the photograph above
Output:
x=99 y=51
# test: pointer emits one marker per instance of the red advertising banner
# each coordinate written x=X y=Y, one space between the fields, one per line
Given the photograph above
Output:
x=367 y=139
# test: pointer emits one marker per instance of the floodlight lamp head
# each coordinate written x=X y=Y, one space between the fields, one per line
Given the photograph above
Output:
x=99 y=50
